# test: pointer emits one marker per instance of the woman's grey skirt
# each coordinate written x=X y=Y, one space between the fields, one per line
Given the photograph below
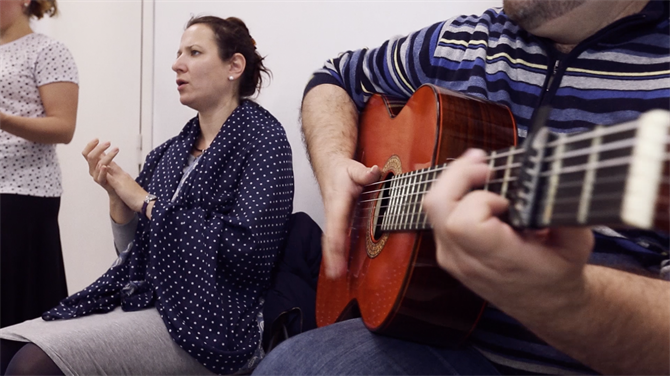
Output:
x=114 y=343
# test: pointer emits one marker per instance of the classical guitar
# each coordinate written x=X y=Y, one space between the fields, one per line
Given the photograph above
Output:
x=615 y=175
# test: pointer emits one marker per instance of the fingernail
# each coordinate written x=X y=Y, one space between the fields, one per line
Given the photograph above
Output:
x=474 y=153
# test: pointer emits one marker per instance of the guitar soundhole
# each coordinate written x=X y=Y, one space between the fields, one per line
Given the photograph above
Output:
x=375 y=238
x=381 y=208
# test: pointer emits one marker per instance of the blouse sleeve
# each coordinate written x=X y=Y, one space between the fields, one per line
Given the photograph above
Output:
x=55 y=64
x=123 y=233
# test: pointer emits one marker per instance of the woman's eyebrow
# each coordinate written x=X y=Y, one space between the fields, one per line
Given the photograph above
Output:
x=189 y=47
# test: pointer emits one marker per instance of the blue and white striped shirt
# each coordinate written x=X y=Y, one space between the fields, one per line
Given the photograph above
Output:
x=612 y=77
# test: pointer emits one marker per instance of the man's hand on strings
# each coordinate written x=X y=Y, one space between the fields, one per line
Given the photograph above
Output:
x=511 y=269
x=340 y=191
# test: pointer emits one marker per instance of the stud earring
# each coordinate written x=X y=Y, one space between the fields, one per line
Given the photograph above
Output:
x=26 y=5
x=231 y=78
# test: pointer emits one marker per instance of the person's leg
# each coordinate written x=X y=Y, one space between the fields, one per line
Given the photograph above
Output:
x=31 y=360
x=7 y=351
x=32 y=271
x=349 y=348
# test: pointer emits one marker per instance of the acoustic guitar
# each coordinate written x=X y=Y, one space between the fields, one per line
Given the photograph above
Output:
x=615 y=175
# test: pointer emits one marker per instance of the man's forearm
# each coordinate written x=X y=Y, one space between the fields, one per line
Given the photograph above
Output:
x=620 y=325
x=329 y=126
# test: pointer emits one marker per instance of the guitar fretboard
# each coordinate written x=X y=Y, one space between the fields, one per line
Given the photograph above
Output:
x=610 y=175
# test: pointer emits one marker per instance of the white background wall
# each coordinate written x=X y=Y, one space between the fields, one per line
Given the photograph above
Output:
x=104 y=38
x=297 y=38
x=111 y=40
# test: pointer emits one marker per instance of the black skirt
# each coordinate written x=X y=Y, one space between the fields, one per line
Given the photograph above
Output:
x=31 y=261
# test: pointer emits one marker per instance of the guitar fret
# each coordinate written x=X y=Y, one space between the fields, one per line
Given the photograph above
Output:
x=394 y=204
x=404 y=212
x=386 y=222
x=492 y=161
x=556 y=166
x=432 y=175
x=417 y=200
x=506 y=176
x=428 y=178
x=397 y=210
x=405 y=202
x=646 y=169
x=398 y=202
x=589 y=177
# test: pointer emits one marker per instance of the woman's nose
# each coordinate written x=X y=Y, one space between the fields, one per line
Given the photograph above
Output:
x=178 y=65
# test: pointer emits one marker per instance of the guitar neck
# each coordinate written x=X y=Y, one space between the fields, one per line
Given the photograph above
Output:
x=616 y=175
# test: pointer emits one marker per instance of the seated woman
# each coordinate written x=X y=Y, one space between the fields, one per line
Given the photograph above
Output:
x=208 y=214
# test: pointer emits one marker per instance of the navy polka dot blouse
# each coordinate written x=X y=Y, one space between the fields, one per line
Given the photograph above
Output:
x=204 y=259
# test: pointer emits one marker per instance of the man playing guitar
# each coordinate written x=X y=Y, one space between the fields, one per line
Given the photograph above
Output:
x=562 y=300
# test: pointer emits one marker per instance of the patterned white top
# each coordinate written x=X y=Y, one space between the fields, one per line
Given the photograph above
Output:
x=26 y=167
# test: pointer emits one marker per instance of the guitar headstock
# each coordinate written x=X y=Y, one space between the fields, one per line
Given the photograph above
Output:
x=645 y=201
x=617 y=175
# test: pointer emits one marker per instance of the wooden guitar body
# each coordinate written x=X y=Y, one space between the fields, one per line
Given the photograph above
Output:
x=393 y=280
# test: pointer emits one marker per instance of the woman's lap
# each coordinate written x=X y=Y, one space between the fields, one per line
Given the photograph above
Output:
x=113 y=343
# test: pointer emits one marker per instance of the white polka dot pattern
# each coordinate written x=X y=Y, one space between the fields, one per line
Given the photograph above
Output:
x=26 y=167
x=205 y=258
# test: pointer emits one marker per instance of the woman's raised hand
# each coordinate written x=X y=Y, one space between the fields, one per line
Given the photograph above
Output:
x=126 y=196
x=99 y=162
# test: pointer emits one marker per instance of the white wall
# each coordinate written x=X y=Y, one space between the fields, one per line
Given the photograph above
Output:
x=106 y=37
x=297 y=37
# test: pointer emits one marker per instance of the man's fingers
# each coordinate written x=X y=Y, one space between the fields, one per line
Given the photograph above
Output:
x=459 y=178
x=335 y=236
x=362 y=175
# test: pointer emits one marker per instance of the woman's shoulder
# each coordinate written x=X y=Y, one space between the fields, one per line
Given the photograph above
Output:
x=260 y=119
x=39 y=42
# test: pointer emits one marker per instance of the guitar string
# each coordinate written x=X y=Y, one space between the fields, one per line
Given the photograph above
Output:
x=569 y=139
x=425 y=185
x=615 y=146
x=505 y=154
x=418 y=195
x=420 y=221
x=413 y=211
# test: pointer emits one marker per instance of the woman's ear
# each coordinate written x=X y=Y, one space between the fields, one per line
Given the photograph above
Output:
x=237 y=64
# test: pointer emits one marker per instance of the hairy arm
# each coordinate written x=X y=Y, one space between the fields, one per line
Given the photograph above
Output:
x=60 y=101
x=618 y=323
x=329 y=126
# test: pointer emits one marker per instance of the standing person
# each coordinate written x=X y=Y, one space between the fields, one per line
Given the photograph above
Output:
x=594 y=62
x=38 y=109
x=198 y=233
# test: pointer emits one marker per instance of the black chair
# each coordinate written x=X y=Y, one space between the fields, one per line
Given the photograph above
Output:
x=290 y=305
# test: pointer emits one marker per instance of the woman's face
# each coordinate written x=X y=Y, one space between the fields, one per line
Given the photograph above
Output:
x=202 y=78
x=10 y=11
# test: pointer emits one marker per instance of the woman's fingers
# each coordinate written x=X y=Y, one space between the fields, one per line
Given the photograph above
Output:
x=93 y=156
x=100 y=162
x=106 y=159
x=89 y=147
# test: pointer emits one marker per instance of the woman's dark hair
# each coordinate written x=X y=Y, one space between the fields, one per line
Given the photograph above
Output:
x=38 y=8
x=232 y=36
